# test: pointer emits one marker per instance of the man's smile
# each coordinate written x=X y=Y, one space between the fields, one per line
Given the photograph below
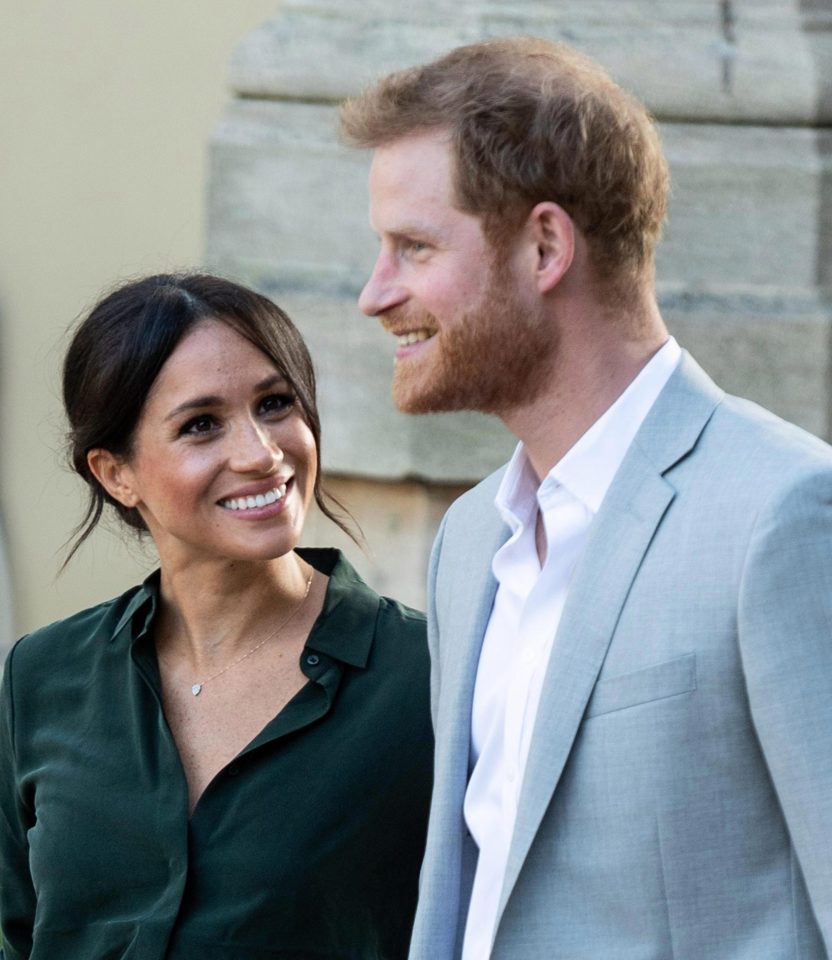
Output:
x=414 y=336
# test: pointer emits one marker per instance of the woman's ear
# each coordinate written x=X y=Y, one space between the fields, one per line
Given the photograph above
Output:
x=553 y=233
x=114 y=475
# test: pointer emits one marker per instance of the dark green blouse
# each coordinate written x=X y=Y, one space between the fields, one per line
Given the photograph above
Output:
x=306 y=846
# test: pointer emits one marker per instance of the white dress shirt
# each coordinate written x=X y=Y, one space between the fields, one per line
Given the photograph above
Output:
x=524 y=620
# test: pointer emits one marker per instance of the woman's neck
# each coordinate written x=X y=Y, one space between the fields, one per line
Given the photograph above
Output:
x=213 y=611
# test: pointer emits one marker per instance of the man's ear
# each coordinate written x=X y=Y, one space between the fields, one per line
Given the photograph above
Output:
x=114 y=474
x=553 y=233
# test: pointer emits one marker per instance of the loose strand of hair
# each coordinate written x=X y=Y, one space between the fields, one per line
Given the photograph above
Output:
x=79 y=535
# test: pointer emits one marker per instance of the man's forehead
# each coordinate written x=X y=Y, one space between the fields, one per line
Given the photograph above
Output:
x=410 y=175
x=399 y=158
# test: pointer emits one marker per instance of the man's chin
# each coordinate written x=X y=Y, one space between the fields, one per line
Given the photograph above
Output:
x=410 y=396
x=410 y=402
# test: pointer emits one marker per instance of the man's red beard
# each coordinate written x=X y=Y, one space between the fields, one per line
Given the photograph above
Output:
x=494 y=358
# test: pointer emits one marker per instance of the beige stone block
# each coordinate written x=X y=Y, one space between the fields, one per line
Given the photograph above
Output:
x=749 y=206
x=678 y=55
x=283 y=195
x=399 y=522
x=775 y=350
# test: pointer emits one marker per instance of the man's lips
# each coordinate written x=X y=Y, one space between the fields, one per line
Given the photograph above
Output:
x=413 y=336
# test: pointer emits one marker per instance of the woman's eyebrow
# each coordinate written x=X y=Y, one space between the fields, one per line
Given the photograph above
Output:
x=196 y=403
x=212 y=400
x=271 y=381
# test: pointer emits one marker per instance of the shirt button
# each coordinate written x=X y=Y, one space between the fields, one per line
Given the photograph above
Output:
x=313 y=660
x=233 y=769
x=511 y=775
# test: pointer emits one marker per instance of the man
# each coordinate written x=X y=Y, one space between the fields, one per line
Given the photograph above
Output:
x=631 y=623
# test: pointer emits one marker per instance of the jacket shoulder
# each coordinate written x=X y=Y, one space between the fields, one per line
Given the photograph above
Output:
x=477 y=504
x=764 y=445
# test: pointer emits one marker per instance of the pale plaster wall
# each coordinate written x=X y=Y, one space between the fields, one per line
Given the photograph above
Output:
x=107 y=109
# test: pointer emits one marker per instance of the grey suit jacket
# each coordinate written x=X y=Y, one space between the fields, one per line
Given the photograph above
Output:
x=677 y=803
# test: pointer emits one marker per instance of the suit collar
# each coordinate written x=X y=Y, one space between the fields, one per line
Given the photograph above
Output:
x=677 y=418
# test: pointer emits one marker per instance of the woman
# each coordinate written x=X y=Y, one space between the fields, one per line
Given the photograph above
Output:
x=231 y=760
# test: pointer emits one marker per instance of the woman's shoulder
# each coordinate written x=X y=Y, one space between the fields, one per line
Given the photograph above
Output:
x=394 y=615
x=81 y=633
x=353 y=607
x=346 y=583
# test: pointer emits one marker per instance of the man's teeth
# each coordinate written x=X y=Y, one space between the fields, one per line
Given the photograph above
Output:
x=261 y=500
x=414 y=336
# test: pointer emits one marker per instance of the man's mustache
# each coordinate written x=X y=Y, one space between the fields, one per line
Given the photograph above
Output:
x=400 y=320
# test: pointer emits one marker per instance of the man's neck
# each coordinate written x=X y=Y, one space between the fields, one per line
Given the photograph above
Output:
x=587 y=377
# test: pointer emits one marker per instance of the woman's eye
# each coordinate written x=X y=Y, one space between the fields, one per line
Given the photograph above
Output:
x=197 y=425
x=277 y=403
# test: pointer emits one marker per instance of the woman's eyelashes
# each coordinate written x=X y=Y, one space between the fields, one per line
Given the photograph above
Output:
x=274 y=406
x=277 y=403
x=196 y=426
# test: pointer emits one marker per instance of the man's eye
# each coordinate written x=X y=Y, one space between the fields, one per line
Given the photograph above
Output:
x=277 y=403
x=203 y=424
x=413 y=248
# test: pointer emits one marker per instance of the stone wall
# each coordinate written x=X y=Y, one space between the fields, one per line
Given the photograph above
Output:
x=743 y=95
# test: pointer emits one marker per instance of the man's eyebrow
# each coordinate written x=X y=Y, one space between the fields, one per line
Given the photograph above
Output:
x=415 y=229
x=212 y=400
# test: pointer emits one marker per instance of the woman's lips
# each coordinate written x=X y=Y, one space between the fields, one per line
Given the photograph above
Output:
x=256 y=501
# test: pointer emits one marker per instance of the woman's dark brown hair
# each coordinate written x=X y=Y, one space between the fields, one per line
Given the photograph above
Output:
x=116 y=354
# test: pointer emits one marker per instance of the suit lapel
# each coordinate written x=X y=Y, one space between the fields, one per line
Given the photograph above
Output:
x=616 y=546
x=619 y=538
x=464 y=628
x=465 y=572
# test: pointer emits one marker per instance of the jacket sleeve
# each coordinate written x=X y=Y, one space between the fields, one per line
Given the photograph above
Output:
x=17 y=895
x=785 y=635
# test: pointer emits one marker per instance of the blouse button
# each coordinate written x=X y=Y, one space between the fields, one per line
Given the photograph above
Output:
x=313 y=660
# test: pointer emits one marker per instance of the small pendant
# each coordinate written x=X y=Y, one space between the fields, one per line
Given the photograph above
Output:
x=196 y=689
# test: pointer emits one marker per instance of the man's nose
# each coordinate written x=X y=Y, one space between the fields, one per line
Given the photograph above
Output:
x=383 y=290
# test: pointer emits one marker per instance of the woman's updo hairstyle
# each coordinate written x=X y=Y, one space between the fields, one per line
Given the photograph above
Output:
x=116 y=354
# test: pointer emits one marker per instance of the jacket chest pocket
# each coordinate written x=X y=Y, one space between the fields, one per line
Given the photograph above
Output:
x=658 y=682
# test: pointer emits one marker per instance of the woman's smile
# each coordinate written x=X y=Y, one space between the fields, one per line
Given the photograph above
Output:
x=254 y=504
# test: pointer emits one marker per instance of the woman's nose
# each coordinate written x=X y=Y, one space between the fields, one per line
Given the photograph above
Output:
x=255 y=450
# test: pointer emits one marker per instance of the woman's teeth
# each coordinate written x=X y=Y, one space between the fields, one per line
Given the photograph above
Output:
x=251 y=503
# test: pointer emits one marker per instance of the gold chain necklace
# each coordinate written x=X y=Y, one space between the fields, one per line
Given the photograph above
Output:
x=196 y=688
